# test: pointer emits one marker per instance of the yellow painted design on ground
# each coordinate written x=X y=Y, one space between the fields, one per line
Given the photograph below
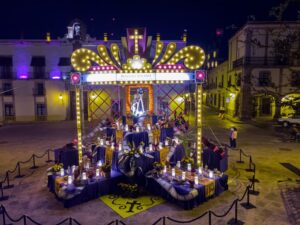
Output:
x=126 y=207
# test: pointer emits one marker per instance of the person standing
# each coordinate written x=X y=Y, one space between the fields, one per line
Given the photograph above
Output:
x=233 y=137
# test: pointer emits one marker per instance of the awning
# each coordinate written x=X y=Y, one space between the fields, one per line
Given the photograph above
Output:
x=38 y=61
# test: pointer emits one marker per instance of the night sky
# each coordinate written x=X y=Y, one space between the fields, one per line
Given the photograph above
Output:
x=32 y=19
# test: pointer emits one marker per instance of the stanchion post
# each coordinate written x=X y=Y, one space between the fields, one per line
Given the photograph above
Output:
x=33 y=162
x=48 y=156
x=235 y=220
x=250 y=163
x=3 y=215
x=240 y=160
x=253 y=192
x=2 y=197
x=248 y=205
x=70 y=221
x=7 y=181
x=19 y=171
x=24 y=220
x=209 y=217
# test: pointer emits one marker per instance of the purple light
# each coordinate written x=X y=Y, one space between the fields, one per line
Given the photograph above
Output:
x=56 y=78
x=23 y=76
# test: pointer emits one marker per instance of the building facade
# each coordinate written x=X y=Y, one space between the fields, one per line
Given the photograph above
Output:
x=261 y=78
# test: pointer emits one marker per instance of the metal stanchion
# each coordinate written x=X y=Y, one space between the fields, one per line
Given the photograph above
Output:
x=235 y=220
x=19 y=171
x=48 y=157
x=253 y=191
x=248 y=204
x=7 y=181
x=250 y=165
x=33 y=161
x=2 y=197
x=240 y=160
x=209 y=217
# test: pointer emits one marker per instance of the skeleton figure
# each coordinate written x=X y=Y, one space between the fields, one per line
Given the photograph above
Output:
x=137 y=107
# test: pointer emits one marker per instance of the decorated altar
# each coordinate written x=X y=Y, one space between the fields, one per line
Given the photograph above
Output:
x=136 y=101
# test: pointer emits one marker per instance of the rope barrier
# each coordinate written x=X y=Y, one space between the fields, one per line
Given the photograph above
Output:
x=187 y=221
x=33 y=221
x=225 y=214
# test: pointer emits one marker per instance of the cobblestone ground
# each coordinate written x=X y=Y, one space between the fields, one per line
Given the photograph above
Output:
x=277 y=202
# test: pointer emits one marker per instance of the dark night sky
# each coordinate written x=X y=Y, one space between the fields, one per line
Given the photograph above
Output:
x=33 y=18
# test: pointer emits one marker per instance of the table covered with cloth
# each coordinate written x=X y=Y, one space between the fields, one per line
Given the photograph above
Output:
x=184 y=195
x=94 y=188
x=166 y=132
x=214 y=160
x=137 y=138
x=66 y=156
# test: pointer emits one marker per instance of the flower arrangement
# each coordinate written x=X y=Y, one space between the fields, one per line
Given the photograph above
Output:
x=158 y=166
x=128 y=190
x=57 y=167
x=186 y=160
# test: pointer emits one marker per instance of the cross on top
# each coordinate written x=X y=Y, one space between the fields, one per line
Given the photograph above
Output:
x=136 y=37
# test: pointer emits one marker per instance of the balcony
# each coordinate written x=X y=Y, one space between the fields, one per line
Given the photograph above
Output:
x=261 y=61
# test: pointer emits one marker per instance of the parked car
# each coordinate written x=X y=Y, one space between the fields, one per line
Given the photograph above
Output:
x=289 y=121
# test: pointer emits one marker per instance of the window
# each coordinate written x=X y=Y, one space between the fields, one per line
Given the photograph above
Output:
x=39 y=89
x=41 y=111
x=38 y=64
x=295 y=79
x=7 y=89
x=6 y=67
x=264 y=78
x=64 y=61
x=9 y=110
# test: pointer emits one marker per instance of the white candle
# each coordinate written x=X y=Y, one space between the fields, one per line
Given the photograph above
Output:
x=148 y=126
x=99 y=164
x=160 y=145
x=166 y=142
x=137 y=129
x=62 y=172
x=173 y=172
x=183 y=175
x=107 y=142
x=118 y=125
x=70 y=180
x=141 y=149
x=150 y=148
x=178 y=164
x=73 y=169
x=189 y=167
x=120 y=147
x=112 y=146
x=196 y=181
x=176 y=140
x=126 y=127
x=101 y=142
x=87 y=165
x=83 y=176
x=211 y=174
x=165 y=169
x=200 y=171
x=97 y=172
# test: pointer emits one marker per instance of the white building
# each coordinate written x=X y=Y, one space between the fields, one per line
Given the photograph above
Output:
x=261 y=74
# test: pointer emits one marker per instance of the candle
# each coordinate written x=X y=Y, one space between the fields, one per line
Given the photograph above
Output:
x=165 y=169
x=99 y=164
x=118 y=125
x=126 y=127
x=101 y=142
x=62 y=172
x=73 y=169
x=189 y=167
x=173 y=172
x=141 y=149
x=200 y=171
x=107 y=142
x=97 y=172
x=160 y=145
x=183 y=175
x=148 y=126
x=196 y=181
x=150 y=148
x=120 y=147
x=70 y=180
x=211 y=174
x=83 y=176
x=178 y=164
x=166 y=142
x=176 y=140
x=87 y=165
x=137 y=129
x=112 y=146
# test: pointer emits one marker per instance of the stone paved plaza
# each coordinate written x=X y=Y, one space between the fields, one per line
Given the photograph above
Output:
x=277 y=202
